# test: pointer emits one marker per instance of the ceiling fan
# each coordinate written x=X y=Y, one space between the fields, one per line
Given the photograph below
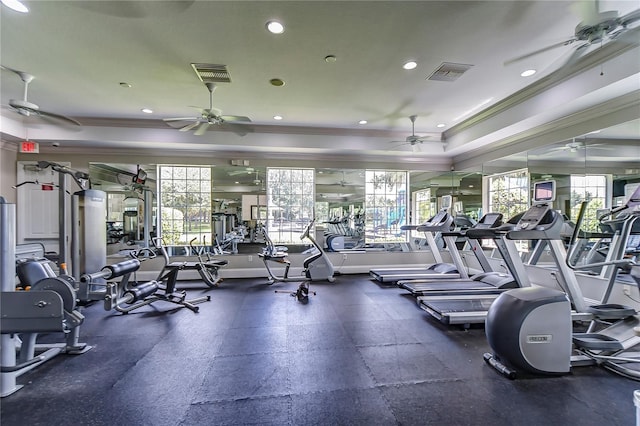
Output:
x=413 y=140
x=28 y=109
x=213 y=116
x=595 y=27
x=577 y=145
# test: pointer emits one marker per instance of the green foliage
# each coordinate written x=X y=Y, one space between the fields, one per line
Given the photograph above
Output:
x=291 y=201
x=590 y=221
x=186 y=190
x=385 y=206
x=509 y=194
x=172 y=224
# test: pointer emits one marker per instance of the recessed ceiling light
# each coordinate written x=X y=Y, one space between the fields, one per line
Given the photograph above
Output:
x=330 y=59
x=410 y=65
x=275 y=27
x=441 y=125
x=277 y=117
x=124 y=84
x=362 y=122
x=527 y=73
x=278 y=82
x=147 y=110
x=15 y=5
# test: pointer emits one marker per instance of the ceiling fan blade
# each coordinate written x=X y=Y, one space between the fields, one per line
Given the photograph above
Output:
x=539 y=51
x=566 y=60
x=189 y=126
x=63 y=118
x=180 y=119
x=202 y=129
x=236 y=118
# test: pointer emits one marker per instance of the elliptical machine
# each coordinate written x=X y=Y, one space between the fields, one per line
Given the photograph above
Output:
x=530 y=329
x=316 y=267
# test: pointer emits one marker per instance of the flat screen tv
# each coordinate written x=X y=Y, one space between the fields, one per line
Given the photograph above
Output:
x=544 y=192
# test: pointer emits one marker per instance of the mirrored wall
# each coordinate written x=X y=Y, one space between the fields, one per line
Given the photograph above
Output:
x=599 y=167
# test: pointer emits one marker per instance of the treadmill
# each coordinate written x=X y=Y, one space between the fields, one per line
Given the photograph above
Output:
x=539 y=222
x=487 y=282
x=437 y=225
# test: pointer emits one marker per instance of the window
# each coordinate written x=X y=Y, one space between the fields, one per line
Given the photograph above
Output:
x=508 y=193
x=290 y=203
x=591 y=188
x=423 y=208
x=185 y=204
x=385 y=206
x=115 y=207
x=322 y=211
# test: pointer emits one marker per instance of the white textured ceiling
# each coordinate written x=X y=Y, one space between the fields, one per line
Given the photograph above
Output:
x=79 y=52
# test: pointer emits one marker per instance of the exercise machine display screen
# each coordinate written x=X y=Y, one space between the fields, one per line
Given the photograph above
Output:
x=446 y=202
x=533 y=216
x=544 y=192
x=489 y=220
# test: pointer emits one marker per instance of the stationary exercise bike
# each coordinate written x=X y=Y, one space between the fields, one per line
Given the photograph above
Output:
x=316 y=267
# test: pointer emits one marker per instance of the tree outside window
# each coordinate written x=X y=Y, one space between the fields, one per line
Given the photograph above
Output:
x=185 y=204
x=385 y=206
x=290 y=203
x=593 y=189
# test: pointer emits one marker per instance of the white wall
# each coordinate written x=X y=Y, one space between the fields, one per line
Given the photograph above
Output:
x=8 y=157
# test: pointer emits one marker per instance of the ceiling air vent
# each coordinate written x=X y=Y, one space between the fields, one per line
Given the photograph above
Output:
x=449 y=72
x=209 y=73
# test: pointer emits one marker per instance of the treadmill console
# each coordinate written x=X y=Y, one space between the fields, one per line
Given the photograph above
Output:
x=435 y=220
x=441 y=222
x=533 y=217
x=489 y=220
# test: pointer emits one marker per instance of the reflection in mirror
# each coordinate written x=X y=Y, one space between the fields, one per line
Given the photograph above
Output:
x=506 y=185
x=339 y=208
x=565 y=164
x=131 y=203
x=238 y=201
x=238 y=206
x=428 y=190
x=465 y=187
x=612 y=152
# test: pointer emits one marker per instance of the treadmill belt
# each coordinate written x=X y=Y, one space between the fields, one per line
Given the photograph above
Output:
x=391 y=275
x=467 y=305
x=443 y=286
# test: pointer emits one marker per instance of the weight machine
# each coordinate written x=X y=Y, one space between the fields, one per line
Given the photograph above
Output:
x=136 y=295
x=49 y=307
